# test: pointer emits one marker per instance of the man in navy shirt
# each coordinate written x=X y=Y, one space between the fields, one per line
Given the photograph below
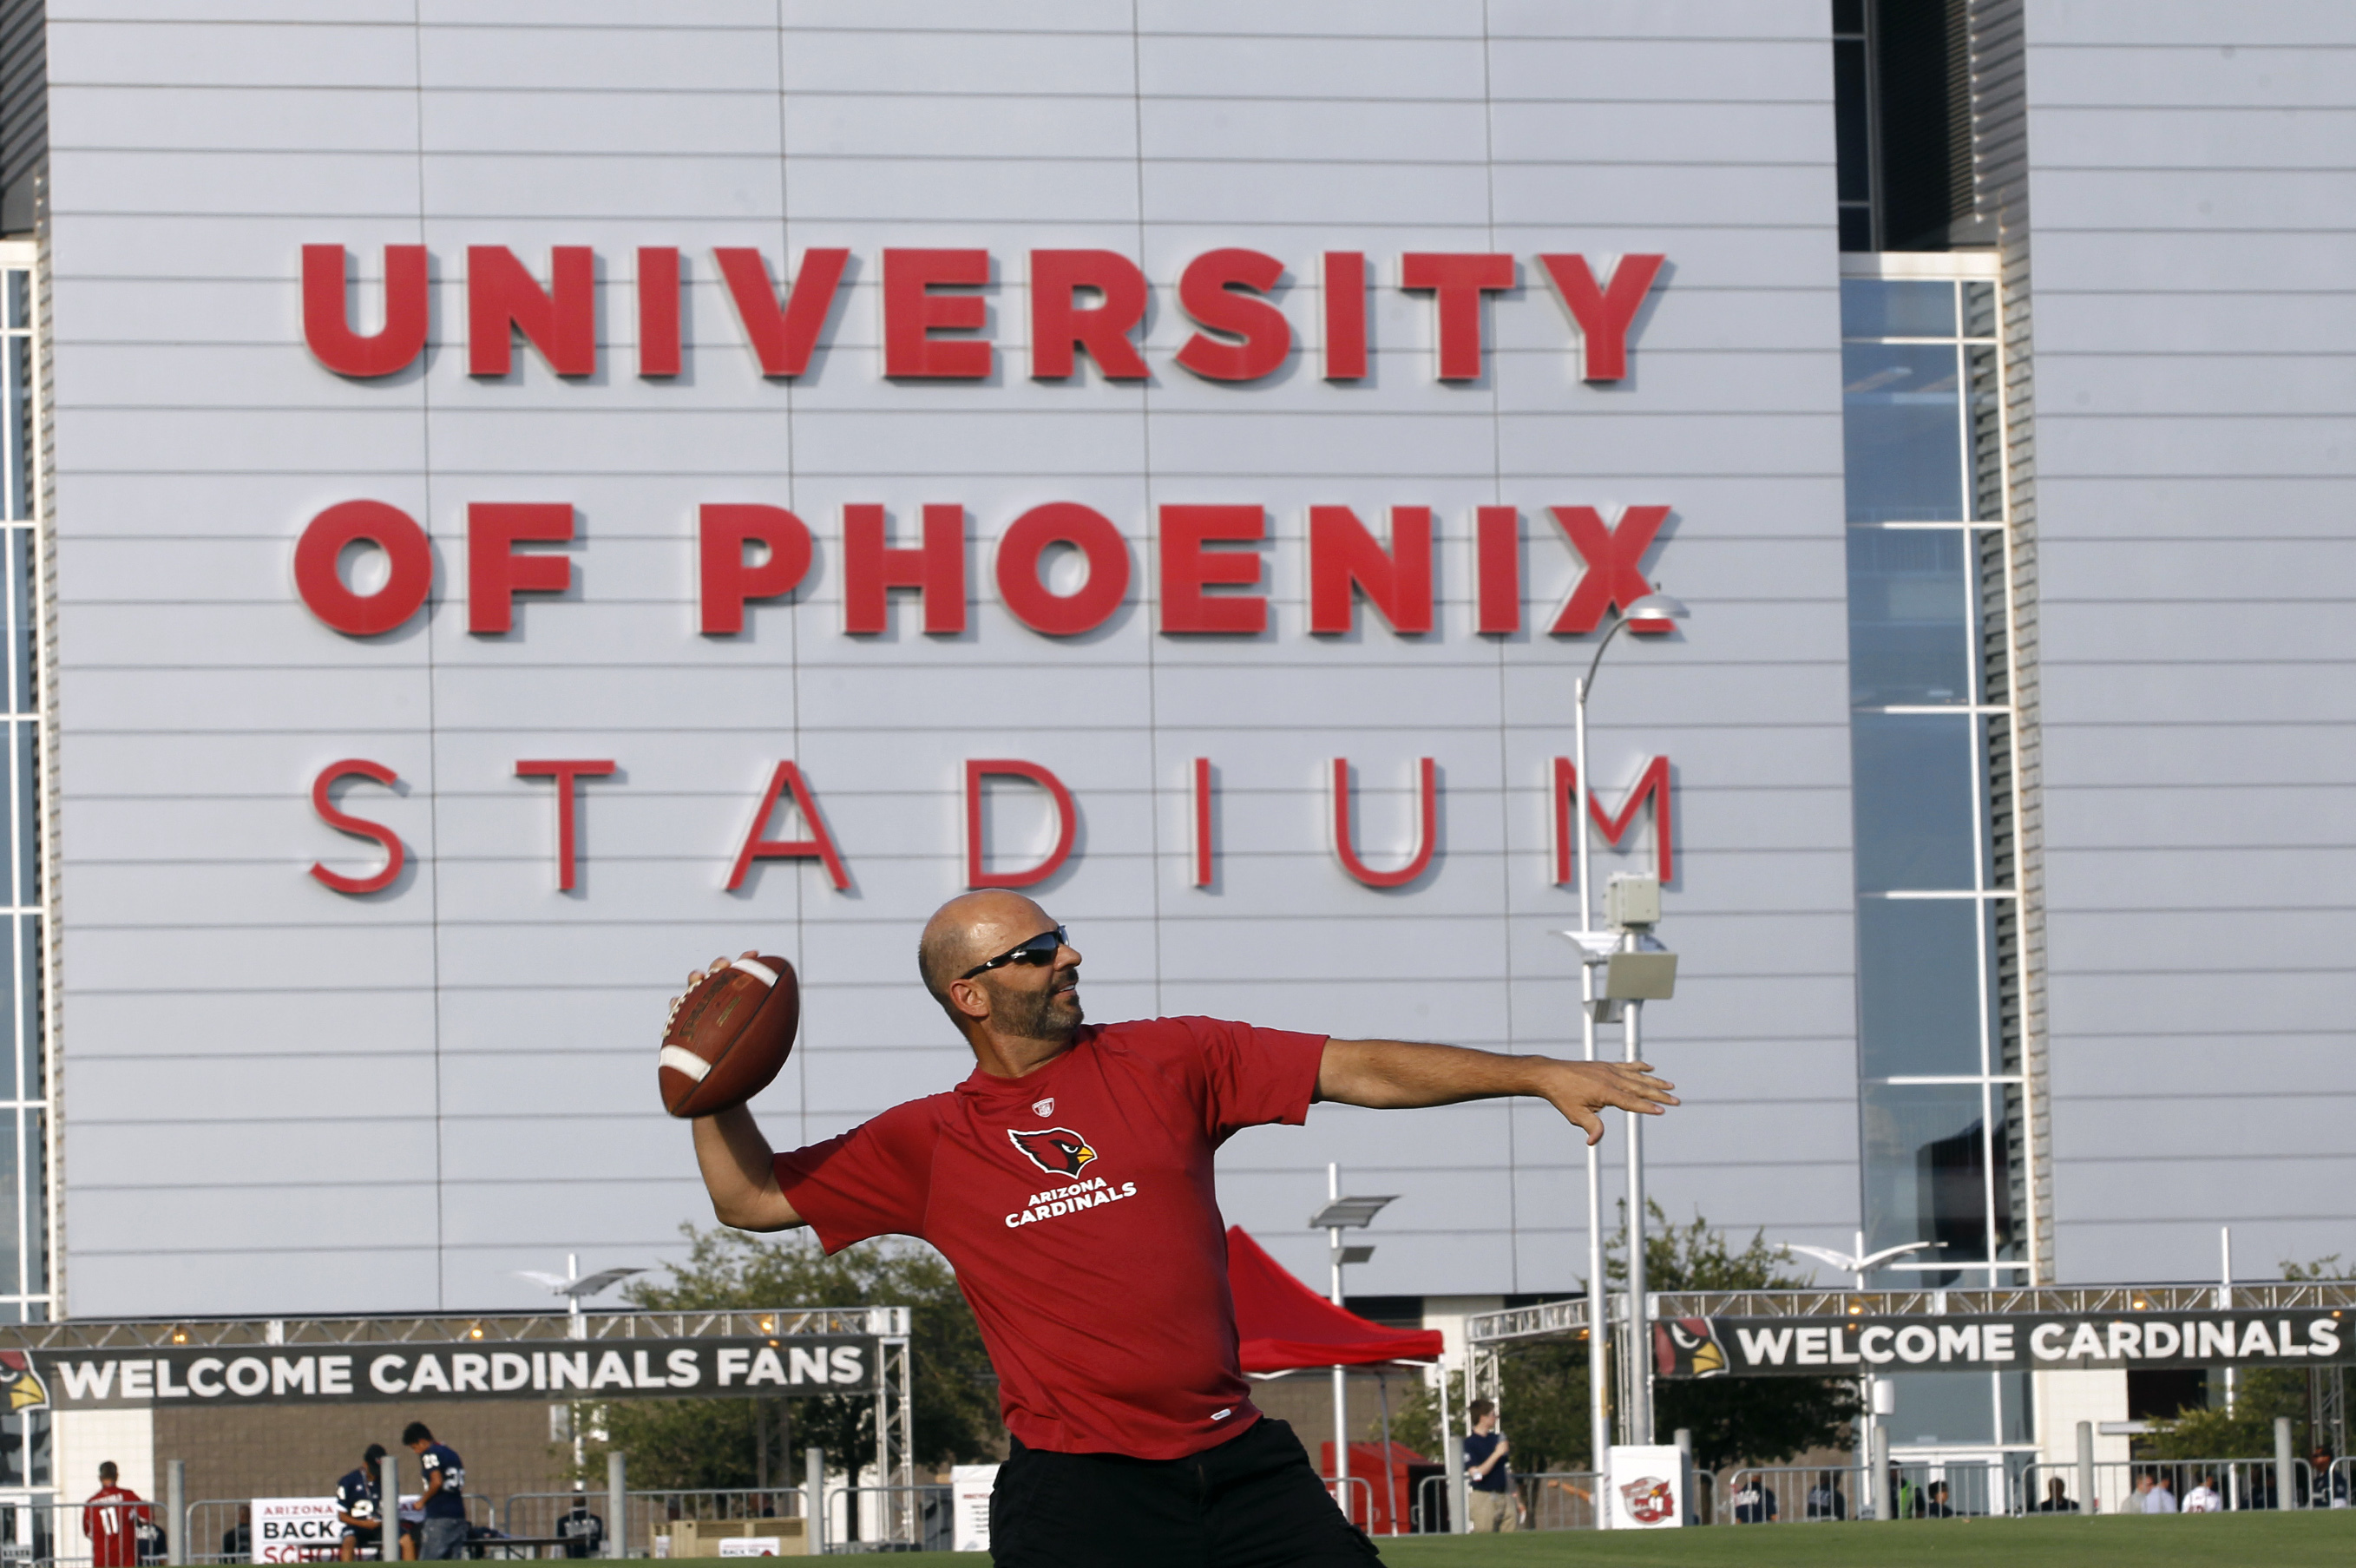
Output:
x=1489 y=1486
x=443 y=1534
x=359 y=1507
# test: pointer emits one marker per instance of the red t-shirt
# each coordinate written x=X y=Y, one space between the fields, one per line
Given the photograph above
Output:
x=1077 y=1208
x=112 y=1518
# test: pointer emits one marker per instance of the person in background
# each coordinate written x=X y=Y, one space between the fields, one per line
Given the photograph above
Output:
x=2204 y=1497
x=2152 y=1495
x=110 y=1519
x=1488 y=1485
x=442 y=1536
x=2326 y=1482
x=237 y=1541
x=583 y=1532
x=1754 y=1503
x=1930 y=1502
x=1824 y=1498
x=360 y=1508
x=2057 y=1498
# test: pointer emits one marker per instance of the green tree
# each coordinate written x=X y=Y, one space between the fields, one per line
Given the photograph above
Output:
x=752 y=1442
x=2260 y=1394
x=1759 y=1420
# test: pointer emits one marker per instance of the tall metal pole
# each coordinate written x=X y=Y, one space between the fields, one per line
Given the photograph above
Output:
x=387 y=1508
x=1341 y=1376
x=1639 y=1330
x=1599 y=1407
x=2225 y=1298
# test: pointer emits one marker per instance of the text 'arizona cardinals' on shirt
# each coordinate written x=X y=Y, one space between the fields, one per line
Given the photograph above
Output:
x=1077 y=1208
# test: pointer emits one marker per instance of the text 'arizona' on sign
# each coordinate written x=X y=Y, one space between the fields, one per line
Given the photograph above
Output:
x=936 y=313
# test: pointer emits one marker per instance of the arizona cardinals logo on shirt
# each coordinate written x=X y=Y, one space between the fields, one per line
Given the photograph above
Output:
x=1058 y=1151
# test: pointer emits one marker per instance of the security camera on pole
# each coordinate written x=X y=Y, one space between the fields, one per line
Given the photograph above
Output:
x=1600 y=949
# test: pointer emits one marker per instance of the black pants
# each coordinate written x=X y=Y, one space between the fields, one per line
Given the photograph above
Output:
x=1247 y=1503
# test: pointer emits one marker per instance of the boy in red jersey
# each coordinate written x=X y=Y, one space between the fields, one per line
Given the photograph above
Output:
x=1069 y=1182
x=112 y=1518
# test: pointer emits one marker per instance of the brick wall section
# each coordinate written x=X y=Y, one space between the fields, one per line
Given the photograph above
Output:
x=291 y=1452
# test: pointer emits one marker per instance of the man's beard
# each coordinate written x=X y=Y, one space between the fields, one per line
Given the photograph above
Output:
x=1045 y=1015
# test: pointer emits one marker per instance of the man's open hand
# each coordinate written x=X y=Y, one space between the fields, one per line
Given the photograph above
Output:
x=1582 y=1088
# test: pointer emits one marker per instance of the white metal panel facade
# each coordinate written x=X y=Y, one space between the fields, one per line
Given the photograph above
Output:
x=282 y=1099
x=2194 y=271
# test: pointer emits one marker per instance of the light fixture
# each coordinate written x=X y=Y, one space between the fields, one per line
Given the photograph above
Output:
x=1349 y=1213
x=1657 y=606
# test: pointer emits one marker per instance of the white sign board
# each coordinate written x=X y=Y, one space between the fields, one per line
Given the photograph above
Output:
x=753 y=1546
x=1648 y=1488
x=284 y=1527
x=972 y=1484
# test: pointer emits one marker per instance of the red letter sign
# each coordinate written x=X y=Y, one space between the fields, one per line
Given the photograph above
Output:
x=561 y=321
x=1205 y=843
x=1188 y=567
x=727 y=579
x=1029 y=600
x=658 y=311
x=1345 y=315
x=1603 y=315
x=1614 y=554
x=871 y=570
x=782 y=338
x=1345 y=843
x=1499 y=556
x=390 y=529
x=495 y=573
x=564 y=772
x=1344 y=559
x=1652 y=785
x=356 y=767
x=1457 y=282
x=326 y=321
x=1059 y=325
x=818 y=846
x=1067 y=819
x=1208 y=292
x=911 y=314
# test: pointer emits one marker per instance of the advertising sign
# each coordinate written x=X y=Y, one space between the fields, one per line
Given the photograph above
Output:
x=293 y=1529
x=640 y=1368
x=972 y=1484
x=1783 y=1347
x=1647 y=1484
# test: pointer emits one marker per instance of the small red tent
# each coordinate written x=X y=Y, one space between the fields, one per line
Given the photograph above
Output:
x=1285 y=1326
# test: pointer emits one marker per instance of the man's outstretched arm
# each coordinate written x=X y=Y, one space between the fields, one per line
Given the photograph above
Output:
x=1389 y=1075
x=740 y=1172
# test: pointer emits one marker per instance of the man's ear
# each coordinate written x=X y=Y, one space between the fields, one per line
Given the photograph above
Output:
x=970 y=998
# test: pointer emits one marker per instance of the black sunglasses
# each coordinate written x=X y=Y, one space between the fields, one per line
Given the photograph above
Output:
x=1039 y=951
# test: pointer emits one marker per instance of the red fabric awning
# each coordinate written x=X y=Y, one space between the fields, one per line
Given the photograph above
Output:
x=1285 y=1326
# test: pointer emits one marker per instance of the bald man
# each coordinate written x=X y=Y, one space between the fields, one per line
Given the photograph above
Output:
x=1069 y=1182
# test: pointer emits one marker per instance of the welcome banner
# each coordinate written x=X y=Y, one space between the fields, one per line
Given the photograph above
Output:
x=1782 y=1346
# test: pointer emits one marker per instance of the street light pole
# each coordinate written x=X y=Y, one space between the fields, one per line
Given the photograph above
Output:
x=1651 y=606
x=1341 y=1373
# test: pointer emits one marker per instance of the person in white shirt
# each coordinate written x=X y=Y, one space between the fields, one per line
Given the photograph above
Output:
x=2152 y=1495
x=2204 y=1497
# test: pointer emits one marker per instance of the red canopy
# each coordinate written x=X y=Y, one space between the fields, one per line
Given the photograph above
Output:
x=1285 y=1326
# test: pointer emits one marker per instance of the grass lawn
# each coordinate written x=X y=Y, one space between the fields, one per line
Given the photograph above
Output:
x=2223 y=1541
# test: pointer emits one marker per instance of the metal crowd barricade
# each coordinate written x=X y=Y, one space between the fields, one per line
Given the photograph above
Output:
x=49 y=1531
x=647 y=1514
x=1801 y=1494
x=2235 y=1485
x=1360 y=1509
x=2339 y=1490
x=889 y=1519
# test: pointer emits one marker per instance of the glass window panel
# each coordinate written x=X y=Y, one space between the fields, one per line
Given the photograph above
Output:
x=12 y=1450
x=1856 y=229
x=1926 y=1172
x=20 y=581
x=28 y=816
x=1902 y=442
x=17 y=496
x=1915 y=790
x=8 y=1081
x=11 y=1204
x=28 y=997
x=1943 y=1407
x=1987 y=433
x=1918 y=984
x=1979 y=310
x=2015 y=1395
x=1897 y=307
x=1910 y=614
x=1849 y=15
x=2009 y=1222
x=20 y=299
x=1849 y=125
x=36 y=1212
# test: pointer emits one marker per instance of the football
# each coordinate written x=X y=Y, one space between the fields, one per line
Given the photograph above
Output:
x=728 y=1036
